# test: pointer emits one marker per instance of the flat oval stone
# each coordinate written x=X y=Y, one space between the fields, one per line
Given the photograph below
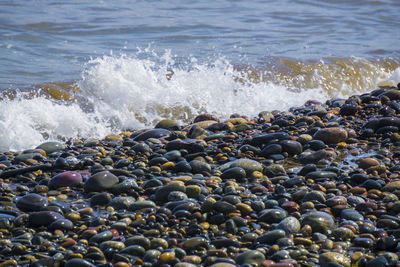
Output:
x=138 y=240
x=261 y=139
x=318 y=220
x=321 y=174
x=290 y=225
x=167 y=124
x=144 y=204
x=331 y=135
x=69 y=178
x=291 y=147
x=352 y=215
x=111 y=244
x=194 y=243
x=154 y=133
x=43 y=218
x=62 y=224
x=252 y=257
x=173 y=155
x=31 y=202
x=273 y=215
x=365 y=163
x=101 y=181
x=51 y=147
x=101 y=237
x=134 y=250
x=271 y=236
x=199 y=166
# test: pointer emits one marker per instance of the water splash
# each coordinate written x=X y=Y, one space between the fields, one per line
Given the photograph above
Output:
x=130 y=92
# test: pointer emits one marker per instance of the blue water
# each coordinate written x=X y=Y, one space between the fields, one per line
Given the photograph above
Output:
x=50 y=41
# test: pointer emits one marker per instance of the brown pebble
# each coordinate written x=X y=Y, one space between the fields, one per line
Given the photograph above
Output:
x=68 y=242
x=365 y=163
x=121 y=264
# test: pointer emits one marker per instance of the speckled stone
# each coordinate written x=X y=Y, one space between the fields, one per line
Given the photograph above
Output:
x=326 y=259
x=318 y=220
x=252 y=257
x=290 y=225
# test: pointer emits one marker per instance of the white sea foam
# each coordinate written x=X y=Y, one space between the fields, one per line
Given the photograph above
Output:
x=129 y=92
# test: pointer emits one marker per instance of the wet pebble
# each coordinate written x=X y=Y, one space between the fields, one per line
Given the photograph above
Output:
x=69 y=178
x=31 y=202
x=101 y=181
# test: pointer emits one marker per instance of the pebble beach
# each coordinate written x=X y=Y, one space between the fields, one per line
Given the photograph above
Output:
x=318 y=185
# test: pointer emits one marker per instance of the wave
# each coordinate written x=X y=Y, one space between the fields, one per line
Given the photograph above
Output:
x=122 y=92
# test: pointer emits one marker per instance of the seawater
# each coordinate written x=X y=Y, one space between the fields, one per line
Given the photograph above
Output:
x=88 y=68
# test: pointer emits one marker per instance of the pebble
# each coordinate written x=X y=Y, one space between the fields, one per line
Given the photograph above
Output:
x=31 y=202
x=331 y=135
x=326 y=259
x=318 y=220
x=315 y=185
x=100 y=181
x=153 y=133
x=69 y=178
x=290 y=225
x=252 y=257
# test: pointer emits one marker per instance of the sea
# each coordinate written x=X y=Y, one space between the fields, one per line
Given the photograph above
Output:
x=87 y=68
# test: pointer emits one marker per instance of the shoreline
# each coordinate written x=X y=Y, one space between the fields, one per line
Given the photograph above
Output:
x=317 y=185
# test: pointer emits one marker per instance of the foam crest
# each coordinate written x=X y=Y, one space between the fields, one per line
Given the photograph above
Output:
x=151 y=91
x=30 y=121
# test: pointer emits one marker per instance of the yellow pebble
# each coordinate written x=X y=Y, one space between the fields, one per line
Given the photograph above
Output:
x=341 y=145
x=73 y=216
x=9 y=263
x=257 y=174
x=50 y=199
x=166 y=257
x=114 y=137
x=87 y=210
x=168 y=165
x=226 y=149
x=62 y=197
x=205 y=225
x=76 y=255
